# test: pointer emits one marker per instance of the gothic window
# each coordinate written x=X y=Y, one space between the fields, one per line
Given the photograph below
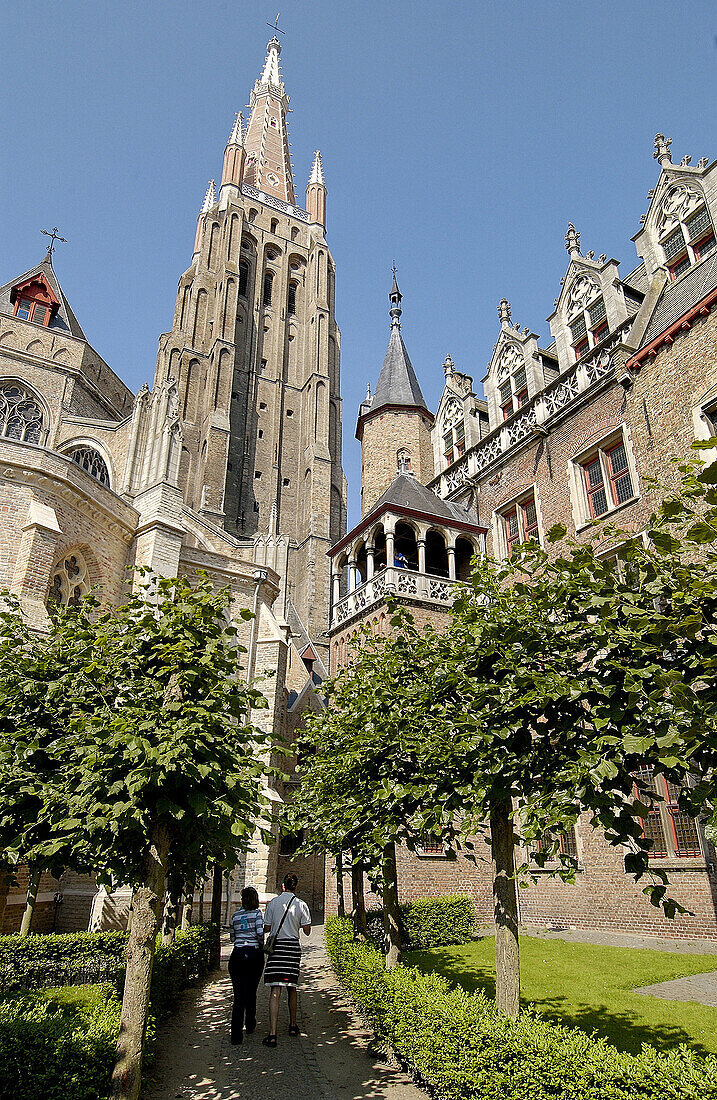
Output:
x=20 y=414
x=512 y=380
x=70 y=580
x=93 y=462
x=607 y=477
x=268 y=287
x=520 y=522
x=291 y=304
x=587 y=316
x=243 y=278
x=403 y=460
x=686 y=231
x=454 y=431
x=674 y=834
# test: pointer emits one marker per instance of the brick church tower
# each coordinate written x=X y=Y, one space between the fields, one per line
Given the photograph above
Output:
x=254 y=348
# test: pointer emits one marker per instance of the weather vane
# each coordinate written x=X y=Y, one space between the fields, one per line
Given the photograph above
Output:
x=54 y=236
x=275 y=25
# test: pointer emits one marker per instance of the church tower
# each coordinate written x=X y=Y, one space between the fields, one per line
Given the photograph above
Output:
x=254 y=348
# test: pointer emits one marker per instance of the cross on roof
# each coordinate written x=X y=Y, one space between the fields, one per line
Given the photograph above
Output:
x=54 y=236
x=275 y=25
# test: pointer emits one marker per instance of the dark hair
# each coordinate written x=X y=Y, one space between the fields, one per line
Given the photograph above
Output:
x=249 y=898
x=290 y=882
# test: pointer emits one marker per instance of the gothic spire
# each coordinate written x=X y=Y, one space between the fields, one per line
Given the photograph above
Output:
x=268 y=160
x=210 y=198
x=316 y=192
x=317 y=170
x=397 y=382
x=237 y=135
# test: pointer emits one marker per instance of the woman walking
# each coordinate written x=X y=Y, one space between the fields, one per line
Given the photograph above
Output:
x=246 y=962
x=285 y=915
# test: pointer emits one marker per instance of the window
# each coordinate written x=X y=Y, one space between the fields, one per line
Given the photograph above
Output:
x=589 y=327
x=567 y=841
x=290 y=843
x=20 y=414
x=70 y=580
x=454 y=442
x=268 y=286
x=520 y=522
x=93 y=462
x=693 y=239
x=431 y=845
x=243 y=278
x=674 y=834
x=512 y=380
x=291 y=304
x=34 y=300
x=608 y=479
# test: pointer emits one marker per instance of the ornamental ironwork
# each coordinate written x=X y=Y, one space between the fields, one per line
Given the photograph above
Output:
x=92 y=461
x=20 y=414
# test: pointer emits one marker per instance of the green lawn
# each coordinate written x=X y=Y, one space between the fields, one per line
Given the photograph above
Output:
x=591 y=987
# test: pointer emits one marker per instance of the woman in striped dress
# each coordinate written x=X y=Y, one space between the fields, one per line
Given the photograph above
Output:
x=284 y=916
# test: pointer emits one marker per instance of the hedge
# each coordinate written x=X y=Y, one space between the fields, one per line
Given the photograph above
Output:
x=458 y=1045
x=430 y=922
x=58 y=1044
x=80 y=957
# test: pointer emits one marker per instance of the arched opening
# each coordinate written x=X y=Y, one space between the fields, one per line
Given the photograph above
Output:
x=243 y=278
x=379 y=553
x=465 y=551
x=405 y=547
x=342 y=568
x=70 y=580
x=90 y=460
x=361 y=562
x=436 y=554
x=21 y=414
x=268 y=287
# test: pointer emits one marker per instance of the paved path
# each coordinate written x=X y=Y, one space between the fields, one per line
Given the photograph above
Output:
x=625 y=939
x=196 y=1061
x=693 y=987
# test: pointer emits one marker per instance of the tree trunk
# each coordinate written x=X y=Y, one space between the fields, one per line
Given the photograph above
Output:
x=391 y=913
x=32 y=887
x=202 y=884
x=216 y=916
x=340 y=903
x=358 y=902
x=4 y=891
x=146 y=907
x=187 y=906
x=172 y=902
x=505 y=908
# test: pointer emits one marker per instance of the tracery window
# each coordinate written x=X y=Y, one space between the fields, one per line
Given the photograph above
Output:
x=587 y=316
x=70 y=580
x=454 y=431
x=20 y=414
x=686 y=231
x=93 y=462
x=512 y=380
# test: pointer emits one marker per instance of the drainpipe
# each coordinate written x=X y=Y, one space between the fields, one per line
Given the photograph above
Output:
x=259 y=575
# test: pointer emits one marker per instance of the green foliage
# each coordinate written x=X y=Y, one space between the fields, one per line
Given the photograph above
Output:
x=58 y=1044
x=73 y=958
x=178 y=965
x=463 y=1050
x=429 y=922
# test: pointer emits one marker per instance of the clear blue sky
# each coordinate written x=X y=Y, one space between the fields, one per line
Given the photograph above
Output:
x=459 y=138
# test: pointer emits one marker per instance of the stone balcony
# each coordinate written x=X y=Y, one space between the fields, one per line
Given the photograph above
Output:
x=439 y=591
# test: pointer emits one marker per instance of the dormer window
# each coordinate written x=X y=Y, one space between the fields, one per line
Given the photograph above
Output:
x=693 y=239
x=589 y=328
x=512 y=380
x=35 y=301
x=454 y=431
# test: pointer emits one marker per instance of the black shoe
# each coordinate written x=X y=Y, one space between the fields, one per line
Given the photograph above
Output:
x=250 y=1029
x=269 y=1041
x=293 y=1030
x=237 y=1040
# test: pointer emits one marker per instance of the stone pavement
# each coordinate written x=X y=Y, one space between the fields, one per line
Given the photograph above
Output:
x=330 y=1061
x=693 y=987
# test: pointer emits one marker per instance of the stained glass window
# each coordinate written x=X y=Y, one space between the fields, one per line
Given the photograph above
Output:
x=20 y=414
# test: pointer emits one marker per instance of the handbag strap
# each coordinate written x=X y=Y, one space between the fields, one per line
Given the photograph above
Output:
x=286 y=913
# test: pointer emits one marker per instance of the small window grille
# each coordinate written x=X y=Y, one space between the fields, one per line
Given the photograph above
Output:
x=597 y=312
x=506 y=392
x=567 y=841
x=291 y=304
x=243 y=279
x=697 y=223
x=92 y=461
x=705 y=246
x=674 y=245
x=268 y=287
x=519 y=379
x=578 y=328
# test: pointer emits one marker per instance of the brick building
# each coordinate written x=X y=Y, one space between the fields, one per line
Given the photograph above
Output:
x=231 y=463
x=567 y=431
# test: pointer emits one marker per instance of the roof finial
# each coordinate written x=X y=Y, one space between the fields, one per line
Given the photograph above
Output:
x=662 y=149
x=572 y=240
x=237 y=135
x=317 y=170
x=368 y=392
x=270 y=73
x=395 y=298
x=210 y=198
x=448 y=367
x=54 y=236
x=504 y=311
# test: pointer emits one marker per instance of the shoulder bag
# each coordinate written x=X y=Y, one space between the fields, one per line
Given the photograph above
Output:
x=270 y=945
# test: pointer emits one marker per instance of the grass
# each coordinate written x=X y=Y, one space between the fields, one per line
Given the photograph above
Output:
x=591 y=987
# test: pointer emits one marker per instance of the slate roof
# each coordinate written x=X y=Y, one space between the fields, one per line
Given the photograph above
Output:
x=64 y=320
x=405 y=492
x=637 y=279
x=681 y=295
x=397 y=382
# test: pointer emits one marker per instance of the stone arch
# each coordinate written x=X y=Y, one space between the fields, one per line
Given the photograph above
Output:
x=173 y=364
x=378 y=537
x=24 y=413
x=436 y=553
x=213 y=246
x=72 y=577
x=465 y=551
x=405 y=545
x=232 y=236
x=200 y=316
x=91 y=457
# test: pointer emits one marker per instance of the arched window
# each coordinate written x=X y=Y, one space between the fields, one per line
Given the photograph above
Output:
x=93 y=462
x=291 y=304
x=587 y=318
x=20 y=413
x=268 y=287
x=70 y=580
x=243 y=278
x=403 y=460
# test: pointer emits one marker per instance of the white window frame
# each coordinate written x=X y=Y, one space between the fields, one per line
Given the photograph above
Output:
x=582 y=515
x=500 y=540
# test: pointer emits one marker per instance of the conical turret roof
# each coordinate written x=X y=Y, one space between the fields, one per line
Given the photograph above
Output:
x=397 y=382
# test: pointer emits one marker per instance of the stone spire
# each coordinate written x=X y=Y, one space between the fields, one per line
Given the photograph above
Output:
x=662 y=149
x=316 y=192
x=395 y=298
x=504 y=312
x=572 y=240
x=210 y=198
x=234 y=155
x=268 y=160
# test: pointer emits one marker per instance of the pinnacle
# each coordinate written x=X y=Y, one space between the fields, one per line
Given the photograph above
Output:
x=317 y=170
x=271 y=73
x=237 y=135
x=210 y=198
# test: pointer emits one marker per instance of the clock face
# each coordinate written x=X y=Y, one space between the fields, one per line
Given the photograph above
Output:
x=453 y=413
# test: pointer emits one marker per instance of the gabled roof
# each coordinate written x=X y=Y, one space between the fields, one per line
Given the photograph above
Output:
x=678 y=297
x=397 y=382
x=64 y=319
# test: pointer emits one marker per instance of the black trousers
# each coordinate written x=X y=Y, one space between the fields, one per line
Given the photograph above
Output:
x=245 y=969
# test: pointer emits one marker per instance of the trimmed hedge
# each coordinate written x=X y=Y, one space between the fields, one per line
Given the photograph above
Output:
x=463 y=1049
x=430 y=922
x=59 y=1044
x=77 y=958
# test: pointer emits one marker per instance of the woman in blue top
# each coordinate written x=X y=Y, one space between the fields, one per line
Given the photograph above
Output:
x=246 y=962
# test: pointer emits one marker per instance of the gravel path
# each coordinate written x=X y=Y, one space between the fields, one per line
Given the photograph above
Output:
x=330 y=1061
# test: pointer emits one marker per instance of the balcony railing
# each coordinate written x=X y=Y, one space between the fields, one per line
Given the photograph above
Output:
x=400 y=582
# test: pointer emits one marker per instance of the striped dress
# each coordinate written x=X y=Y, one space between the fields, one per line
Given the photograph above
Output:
x=282 y=966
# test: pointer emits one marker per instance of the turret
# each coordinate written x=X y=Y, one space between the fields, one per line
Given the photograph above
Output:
x=316 y=192
x=234 y=156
